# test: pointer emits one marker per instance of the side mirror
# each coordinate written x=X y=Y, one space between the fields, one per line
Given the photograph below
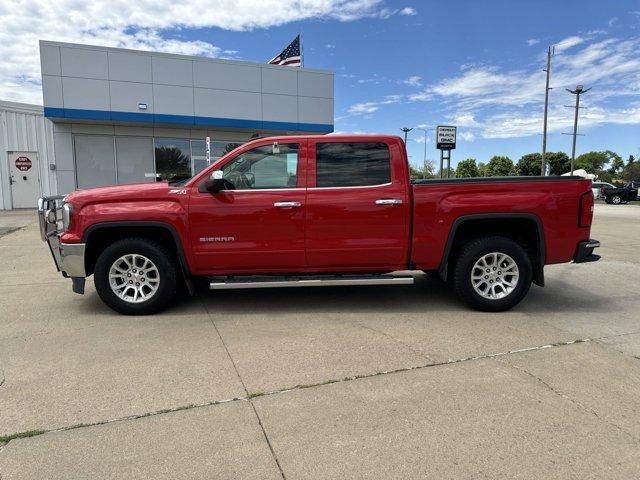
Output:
x=214 y=184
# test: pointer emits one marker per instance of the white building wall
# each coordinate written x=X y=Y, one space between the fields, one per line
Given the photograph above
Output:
x=23 y=128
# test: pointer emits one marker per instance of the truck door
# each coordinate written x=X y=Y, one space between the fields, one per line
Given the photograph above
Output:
x=257 y=227
x=357 y=206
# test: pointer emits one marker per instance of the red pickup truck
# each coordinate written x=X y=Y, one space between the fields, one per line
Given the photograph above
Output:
x=318 y=210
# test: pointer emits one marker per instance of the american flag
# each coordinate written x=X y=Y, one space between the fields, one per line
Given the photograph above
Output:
x=290 y=56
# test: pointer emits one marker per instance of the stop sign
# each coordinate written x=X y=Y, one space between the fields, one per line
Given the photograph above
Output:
x=23 y=164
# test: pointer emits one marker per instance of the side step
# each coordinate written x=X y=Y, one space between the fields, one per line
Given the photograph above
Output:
x=229 y=283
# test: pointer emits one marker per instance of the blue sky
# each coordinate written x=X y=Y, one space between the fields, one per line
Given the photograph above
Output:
x=475 y=64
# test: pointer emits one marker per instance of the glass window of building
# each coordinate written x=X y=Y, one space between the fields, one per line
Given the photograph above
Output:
x=352 y=164
x=261 y=167
x=134 y=158
x=221 y=148
x=173 y=159
x=95 y=160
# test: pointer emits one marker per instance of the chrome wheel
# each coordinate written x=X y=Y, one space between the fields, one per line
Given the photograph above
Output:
x=134 y=278
x=616 y=199
x=495 y=275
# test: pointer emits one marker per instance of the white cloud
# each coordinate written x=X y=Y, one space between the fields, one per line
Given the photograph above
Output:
x=532 y=41
x=370 y=107
x=568 y=43
x=413 y=81
x=409 y=11
x=467 y=136
x=144 y=25
x=364 y=107
x=330 y=46
x=612 y=21
x=499 y=103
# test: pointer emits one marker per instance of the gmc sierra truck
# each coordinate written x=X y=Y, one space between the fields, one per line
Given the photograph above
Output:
x=312 y=211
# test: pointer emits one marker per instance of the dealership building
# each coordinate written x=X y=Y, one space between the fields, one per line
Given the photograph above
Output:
x=115 y=116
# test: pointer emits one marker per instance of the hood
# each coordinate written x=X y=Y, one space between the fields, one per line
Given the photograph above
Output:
x=134 y=191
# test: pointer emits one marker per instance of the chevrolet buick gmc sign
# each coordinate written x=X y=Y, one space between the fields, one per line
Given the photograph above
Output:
x=445 y=137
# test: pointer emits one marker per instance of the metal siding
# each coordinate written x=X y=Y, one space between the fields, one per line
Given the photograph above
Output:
x=24 y=129
x=189 y=91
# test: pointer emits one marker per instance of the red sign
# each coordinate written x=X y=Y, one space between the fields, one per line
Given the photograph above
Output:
x=23 y=164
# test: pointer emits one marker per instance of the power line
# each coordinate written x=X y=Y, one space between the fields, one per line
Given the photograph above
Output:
x=577 y=92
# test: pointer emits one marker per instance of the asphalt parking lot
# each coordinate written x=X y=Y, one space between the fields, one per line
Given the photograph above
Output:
x=361 y=382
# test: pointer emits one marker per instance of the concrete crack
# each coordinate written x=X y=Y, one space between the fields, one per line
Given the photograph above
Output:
x=249 y=396
x=4 y=440
x=582 y=407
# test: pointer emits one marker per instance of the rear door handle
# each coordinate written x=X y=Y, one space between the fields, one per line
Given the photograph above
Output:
x=389 y=201
x=287 y=204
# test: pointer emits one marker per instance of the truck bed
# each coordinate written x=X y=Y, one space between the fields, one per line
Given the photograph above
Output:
x=552 y=203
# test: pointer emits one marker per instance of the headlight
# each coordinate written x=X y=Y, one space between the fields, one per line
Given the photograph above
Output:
x=67 y=212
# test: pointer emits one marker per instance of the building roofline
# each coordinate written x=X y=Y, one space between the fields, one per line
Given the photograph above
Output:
x=179 y=56
x=21 y=107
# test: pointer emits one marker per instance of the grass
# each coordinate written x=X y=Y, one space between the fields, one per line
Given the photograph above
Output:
x=255 y=395
x=27 y=434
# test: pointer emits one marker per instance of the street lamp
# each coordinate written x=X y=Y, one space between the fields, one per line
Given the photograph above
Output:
x=406 y=130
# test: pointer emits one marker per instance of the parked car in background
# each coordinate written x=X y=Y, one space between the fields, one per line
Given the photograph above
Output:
x=636 y=184
x=597 y=187
x=620 y=195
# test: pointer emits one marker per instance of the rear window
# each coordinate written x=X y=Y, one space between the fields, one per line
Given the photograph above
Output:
x=352 y=164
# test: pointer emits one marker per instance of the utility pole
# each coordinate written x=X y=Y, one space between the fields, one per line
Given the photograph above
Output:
x=550 y=52
x=406 y=130
x=577 y=92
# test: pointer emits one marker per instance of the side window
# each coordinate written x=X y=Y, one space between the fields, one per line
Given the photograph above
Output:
x=352 y=164
x=264 y=167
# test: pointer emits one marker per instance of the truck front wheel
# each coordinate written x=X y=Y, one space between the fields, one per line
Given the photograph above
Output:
x=492 y=274
x=135 y=276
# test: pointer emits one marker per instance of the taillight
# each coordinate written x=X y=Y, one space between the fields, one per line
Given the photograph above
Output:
x=585 y=215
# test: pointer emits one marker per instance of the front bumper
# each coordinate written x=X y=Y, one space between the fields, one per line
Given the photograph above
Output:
x=584 y=252
x=68 y=257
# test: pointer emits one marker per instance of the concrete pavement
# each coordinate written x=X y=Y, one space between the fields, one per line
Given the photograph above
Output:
x=366 y=382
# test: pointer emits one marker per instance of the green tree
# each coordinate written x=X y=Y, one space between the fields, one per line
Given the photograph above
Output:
x=529 y=164
x=616 y=163
x=559 y=162
x=467 y=168
x=631 y=171
x=500 y=166
x=427 y=171
x=443 y=173
x=592 y=162
x=482 y=169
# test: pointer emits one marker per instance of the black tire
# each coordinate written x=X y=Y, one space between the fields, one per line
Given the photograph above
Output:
x=156 y=253
x=467 y=258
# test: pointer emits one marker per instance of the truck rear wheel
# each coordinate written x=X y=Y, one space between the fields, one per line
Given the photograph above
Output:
x=492 y=274
x=135 y=276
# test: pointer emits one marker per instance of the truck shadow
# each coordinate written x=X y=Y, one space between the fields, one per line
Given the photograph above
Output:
x=423 y=296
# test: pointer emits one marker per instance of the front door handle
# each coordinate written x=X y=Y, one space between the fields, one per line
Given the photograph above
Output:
x=389 y=201
x=287 y=204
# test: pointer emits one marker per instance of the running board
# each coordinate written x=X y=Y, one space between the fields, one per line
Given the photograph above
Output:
x=308 y=281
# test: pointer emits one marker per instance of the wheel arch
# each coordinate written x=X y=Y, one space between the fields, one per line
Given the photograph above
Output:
x=467 y=227
x=98 y=235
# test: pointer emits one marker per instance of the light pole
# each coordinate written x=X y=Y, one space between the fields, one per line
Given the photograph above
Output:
x=406 y=130
x=577 y=92
x=424 y=159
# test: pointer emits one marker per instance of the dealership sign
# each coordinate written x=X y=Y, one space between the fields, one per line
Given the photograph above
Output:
x=23 y=164
x=445 y=137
